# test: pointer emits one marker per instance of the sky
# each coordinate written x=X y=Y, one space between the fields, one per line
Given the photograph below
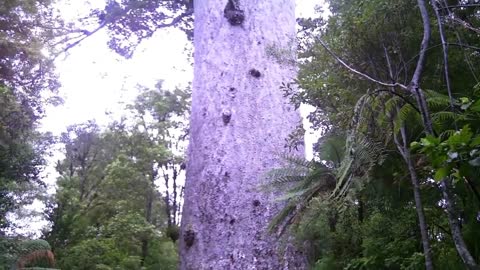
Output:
x=96 y=80
x=97 y=83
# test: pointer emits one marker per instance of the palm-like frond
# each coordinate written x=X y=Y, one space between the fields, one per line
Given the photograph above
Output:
x=437 y=101
x=303 y=180
x=353 y=157
x=444 y=116
x=363 y=154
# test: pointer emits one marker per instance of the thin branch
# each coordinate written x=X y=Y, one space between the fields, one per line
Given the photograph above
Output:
x=442 y=228
x=464 y=24
x=464 y=46
x=445 y=56
x=361 y=74
x=389 y=64
x=467 y=58
x=424 y=45
x=87 y=34
x=462 y=6
x=461 y=45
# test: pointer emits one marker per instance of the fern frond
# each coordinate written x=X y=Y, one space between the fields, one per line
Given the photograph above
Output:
x=438 y=103
x=444 y=116
x=332 y=148
x=297 y=161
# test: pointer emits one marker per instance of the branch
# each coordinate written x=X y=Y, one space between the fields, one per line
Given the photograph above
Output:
x=438 y=45
x=176 y=19
x=424 y=45
x=414 y=86
x=87 y=34
x=445 y=55
x=464 y=24
x=361 y=74
x=462 y=6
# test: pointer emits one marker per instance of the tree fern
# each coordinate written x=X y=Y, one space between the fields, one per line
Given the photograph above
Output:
x=342 y=173
x=302 y=180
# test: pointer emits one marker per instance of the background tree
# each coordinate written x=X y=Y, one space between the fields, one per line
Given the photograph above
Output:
x=27 y=83
x=109 y=198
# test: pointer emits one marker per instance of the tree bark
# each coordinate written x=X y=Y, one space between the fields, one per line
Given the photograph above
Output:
x=240 y=120
x=454 y=222
x=422 y=221
x=148 y=211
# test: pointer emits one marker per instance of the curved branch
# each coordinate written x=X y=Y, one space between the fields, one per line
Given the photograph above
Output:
x=87 y=34
x=414 y=86
x=353 y=70
x=441 y=30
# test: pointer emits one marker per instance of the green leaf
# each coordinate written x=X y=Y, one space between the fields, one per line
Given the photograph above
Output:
x=430 y=141
x=414 y=146
x=475 y=141
x=461 y=137
x=441 y=173
x=476 y=106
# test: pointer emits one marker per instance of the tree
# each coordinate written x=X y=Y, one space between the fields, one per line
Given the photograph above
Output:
x=108 y=195
x=240 y=120
x=27 y=84
x=371 y=70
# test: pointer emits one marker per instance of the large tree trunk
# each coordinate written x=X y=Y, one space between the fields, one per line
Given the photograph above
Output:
x=240 y=121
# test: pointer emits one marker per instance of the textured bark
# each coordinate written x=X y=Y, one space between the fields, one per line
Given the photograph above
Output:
x=455 y=226
x=239 y=122
x=422 y=221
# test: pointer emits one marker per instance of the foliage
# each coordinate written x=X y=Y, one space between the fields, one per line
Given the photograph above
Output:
x=108 y=212
x=128 y=23
x=25 y=254
x=356 y=69
x=27 y=84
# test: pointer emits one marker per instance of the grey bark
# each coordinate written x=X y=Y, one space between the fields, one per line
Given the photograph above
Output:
x=417 y=75
x=455 y=226
x=454 y=222
x=239 y=122
x=405 y=152
x=422 y=221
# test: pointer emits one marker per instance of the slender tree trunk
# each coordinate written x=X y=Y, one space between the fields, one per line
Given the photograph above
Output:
x=405 y=152
x=168 y=209
x=244 y=50
x=445 y=186
x=422 y=105
x=148 y=217
x=454 y=221
x=175 y=195
x=148 y=212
